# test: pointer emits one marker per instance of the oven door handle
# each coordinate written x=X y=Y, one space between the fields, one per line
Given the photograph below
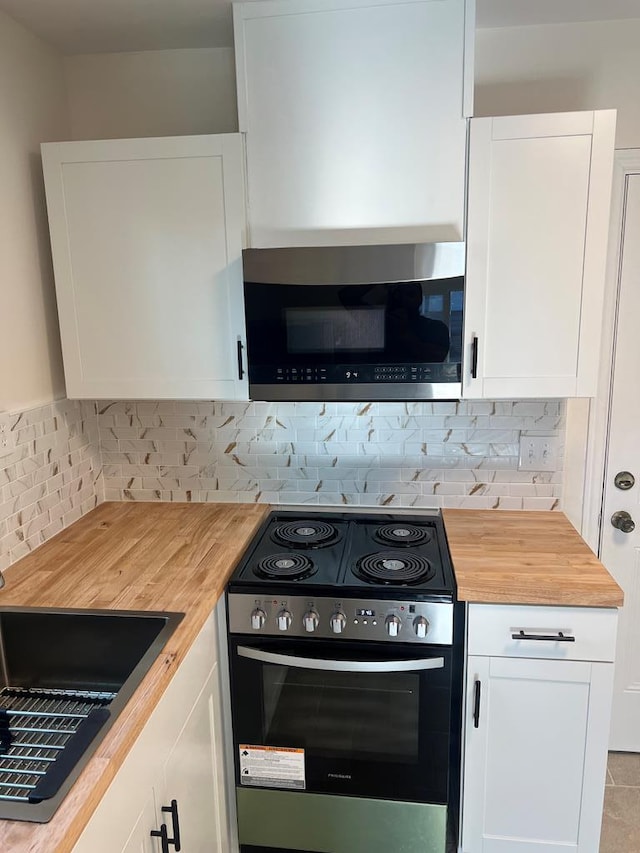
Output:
x=342 y=665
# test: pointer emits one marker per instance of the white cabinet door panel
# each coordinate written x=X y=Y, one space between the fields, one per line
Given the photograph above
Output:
x=531 y=317
x=146 y=237
x=140 y=840
x=539 y=195
x=354 y=119
x=191 y=777
x=535 y=763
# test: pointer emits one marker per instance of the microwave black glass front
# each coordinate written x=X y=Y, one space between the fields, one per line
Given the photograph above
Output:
x=355 y=322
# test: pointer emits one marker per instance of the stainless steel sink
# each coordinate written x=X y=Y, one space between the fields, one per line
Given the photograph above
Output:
x=65 y=676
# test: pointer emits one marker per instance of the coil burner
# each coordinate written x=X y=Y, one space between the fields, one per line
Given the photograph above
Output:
x=305 y=534
x=391 y=567
x=402 y=534
x=285 y=567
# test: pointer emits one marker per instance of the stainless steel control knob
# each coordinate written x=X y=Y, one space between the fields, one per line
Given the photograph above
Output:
x=420 y=626
x=310 y=621
x=393 y=624
x=338 y=623
x=623 y=521
x=284 y=620
x=258 y=618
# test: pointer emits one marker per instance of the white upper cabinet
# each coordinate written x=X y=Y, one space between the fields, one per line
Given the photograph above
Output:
x=539 y=199
x=354 y=119
x=146 y=237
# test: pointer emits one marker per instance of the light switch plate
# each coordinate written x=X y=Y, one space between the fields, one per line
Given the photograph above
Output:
x=7 y=436
x=538 y=453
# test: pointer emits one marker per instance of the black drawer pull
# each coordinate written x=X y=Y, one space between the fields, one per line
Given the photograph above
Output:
x=476 y=704
x=550 y=638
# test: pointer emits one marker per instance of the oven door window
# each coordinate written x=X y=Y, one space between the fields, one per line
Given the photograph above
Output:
x=383 y=734
x=316 y=709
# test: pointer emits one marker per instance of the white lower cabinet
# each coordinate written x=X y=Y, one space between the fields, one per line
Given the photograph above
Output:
x=536 y=731
x=177 y=758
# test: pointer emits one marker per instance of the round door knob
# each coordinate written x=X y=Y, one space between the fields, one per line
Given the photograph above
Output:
x=338 y=623
x=310 y=621
x=623 y=521
x=393 y=625
x=420 y=626
x=258 y=618
x=284 y=620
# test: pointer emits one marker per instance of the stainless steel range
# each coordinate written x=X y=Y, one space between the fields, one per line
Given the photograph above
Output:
x=345 y=643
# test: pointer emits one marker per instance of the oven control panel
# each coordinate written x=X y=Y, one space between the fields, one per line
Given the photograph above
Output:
x=342 y=618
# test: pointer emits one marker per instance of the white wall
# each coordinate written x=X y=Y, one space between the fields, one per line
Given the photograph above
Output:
x=33 y=109
x=562 y=67
x=152 y=93
x=518 y=69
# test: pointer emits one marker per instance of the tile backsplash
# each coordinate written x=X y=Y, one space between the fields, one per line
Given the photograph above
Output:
x=369 y=454
x=70 y=456
x=51 y=478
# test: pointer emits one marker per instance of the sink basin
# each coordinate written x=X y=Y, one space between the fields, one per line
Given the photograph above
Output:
x=65 y=676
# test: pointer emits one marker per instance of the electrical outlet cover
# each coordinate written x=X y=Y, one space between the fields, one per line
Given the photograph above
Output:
x=538 y=453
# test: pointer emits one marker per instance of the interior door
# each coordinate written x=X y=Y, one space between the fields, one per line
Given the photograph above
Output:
x=620 y=550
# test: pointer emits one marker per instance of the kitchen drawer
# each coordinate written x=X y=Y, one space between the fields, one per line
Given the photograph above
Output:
x=491 y=628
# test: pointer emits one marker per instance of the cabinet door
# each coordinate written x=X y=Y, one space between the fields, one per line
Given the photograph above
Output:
x=147 y=237
x=539 y=198
x=535 y=755
x=193 y=777
x=140 y=840
x=354 y=119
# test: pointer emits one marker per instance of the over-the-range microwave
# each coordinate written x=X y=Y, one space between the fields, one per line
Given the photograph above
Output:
x=355 y=323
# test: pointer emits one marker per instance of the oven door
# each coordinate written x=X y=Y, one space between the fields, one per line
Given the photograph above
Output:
x=364 y=720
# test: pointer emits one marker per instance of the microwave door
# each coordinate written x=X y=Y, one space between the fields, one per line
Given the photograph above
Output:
x=354 y=342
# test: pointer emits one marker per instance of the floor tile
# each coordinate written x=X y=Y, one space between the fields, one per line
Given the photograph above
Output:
x=624 y=767
x=621 y=821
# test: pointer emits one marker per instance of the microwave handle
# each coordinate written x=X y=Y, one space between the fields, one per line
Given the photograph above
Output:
x=341 y=665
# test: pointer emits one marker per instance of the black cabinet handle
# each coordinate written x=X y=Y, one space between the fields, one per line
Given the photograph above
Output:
x=476 y=704
x=240 y=367
x=162 y=835
x=474 y=357
x=548 y=638
x=173 y=811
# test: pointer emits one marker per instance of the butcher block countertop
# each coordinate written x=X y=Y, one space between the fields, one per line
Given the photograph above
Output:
x=127 y=556
x=525 y=558
x=160 y=556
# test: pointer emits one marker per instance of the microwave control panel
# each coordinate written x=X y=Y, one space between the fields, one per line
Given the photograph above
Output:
x=355 y=373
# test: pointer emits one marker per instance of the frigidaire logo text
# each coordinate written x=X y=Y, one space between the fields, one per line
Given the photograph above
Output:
x=339 y=775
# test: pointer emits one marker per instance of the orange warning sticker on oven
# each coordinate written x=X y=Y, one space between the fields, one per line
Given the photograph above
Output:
x=272 y=766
